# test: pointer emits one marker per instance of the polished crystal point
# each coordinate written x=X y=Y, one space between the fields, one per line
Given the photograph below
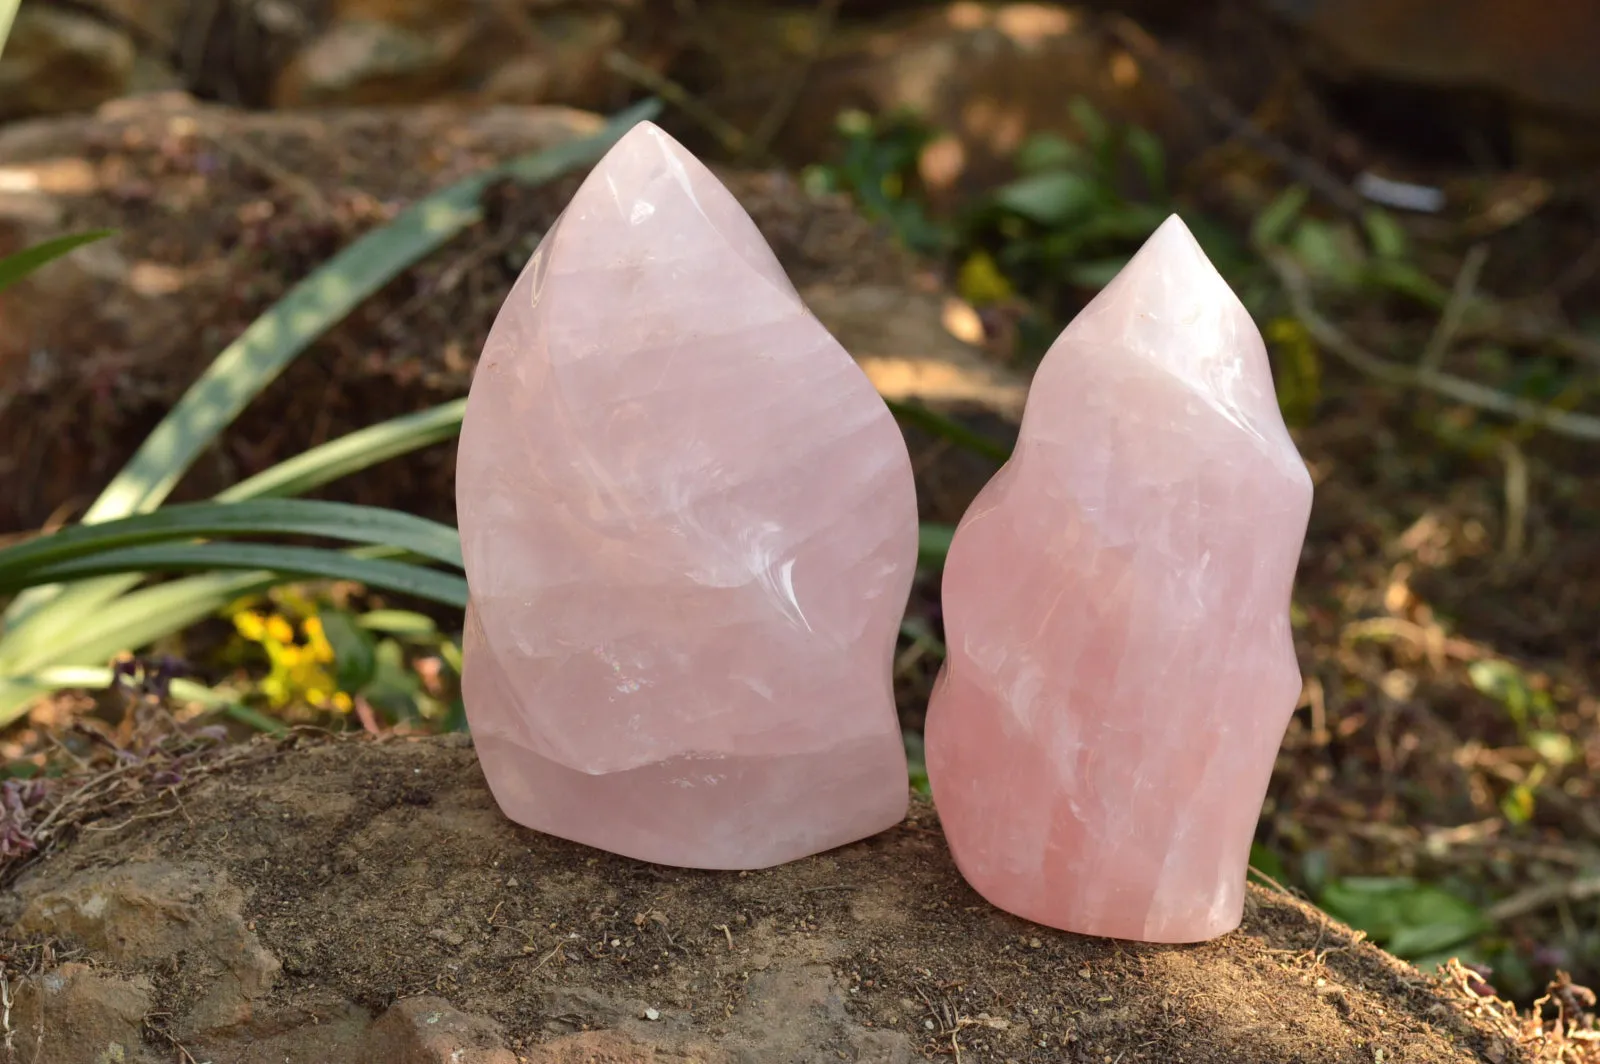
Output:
x=690 y=529
x=1116 y=604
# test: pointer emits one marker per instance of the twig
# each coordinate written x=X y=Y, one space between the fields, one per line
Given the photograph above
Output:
x=1259 y=874
x=733 y=141
x=783 y=104
x=1461 y=294
x=1534 y=898
x=1562 y=422
x=1516 y=498
x=247 y=155
x=5 y=1009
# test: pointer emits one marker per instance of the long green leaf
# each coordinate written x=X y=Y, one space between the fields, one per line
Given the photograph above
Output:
x=14 y=268
x=285 y=561
x=98 y=678
x=8 y=11
x=128 y=623
x=352 y=453
x=949 y=429
x=273 y=340
x=933 y=544
x=331 y=520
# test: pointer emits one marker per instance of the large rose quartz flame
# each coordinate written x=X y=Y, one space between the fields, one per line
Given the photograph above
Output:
x=690 y=529
x=1116 y=605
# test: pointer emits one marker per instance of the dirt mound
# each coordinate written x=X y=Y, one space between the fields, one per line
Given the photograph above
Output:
x=218 y=212
x=360 y=901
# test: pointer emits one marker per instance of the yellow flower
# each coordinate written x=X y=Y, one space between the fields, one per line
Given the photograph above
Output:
x=342 y=702
x=980 y=281
x=279 y=630
x=316 y=640
x=250 y=624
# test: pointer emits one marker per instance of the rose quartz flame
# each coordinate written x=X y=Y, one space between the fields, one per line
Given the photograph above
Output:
x=690 y=530
x=1116 y=604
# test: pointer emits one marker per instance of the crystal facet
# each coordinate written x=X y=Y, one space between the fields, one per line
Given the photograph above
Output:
x=1116 y=606
x=689 y=528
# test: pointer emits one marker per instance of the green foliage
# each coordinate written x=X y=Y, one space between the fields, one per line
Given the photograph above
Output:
x=1076 y=212
x=84 y=603
x=1372 y=259
x=1417 y=921
x=1296 y=369
x=878 y=166
x=1508 y=685
x=14 y=268
x=933 y=544
x=329 y=658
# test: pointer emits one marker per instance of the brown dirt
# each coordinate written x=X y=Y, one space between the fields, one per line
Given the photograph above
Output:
x=272 y=911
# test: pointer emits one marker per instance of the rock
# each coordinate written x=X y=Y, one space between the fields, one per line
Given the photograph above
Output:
x=59 y=60
x=77 y=1014
x=386 y=53
x=757 y=508
x=428 y=1030
x=218 y=211
x=824 y=959
x=149 y=914
x=1116 y=604
x=368 y=62
x=1458 y=78
x=1540 y=55
x=561 y=61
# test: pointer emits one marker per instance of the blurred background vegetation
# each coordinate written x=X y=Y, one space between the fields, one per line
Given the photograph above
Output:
x=1401 y=191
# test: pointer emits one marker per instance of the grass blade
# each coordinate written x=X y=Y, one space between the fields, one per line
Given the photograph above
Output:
x=352 y=453
x=949 y=429
x=330 y=520
x=132 y=621
x=933 y=544
x=98 y=678
x=316 y=562
x=14 y=268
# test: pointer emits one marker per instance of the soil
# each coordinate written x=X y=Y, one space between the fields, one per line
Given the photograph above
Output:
x=279 y=909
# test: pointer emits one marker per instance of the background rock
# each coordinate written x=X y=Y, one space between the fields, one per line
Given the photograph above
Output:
x=59 y=61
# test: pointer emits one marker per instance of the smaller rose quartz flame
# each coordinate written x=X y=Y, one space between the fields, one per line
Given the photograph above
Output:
x=1116 y=605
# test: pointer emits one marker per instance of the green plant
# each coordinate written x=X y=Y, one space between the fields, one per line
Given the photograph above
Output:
x=86 y=593
x=878 y=167
x=320 y=655
x=1075 y=212
x=1420 y=922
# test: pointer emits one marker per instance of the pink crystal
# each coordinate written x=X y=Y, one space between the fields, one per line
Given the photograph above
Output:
x=1116 y=606
x=690 y=529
